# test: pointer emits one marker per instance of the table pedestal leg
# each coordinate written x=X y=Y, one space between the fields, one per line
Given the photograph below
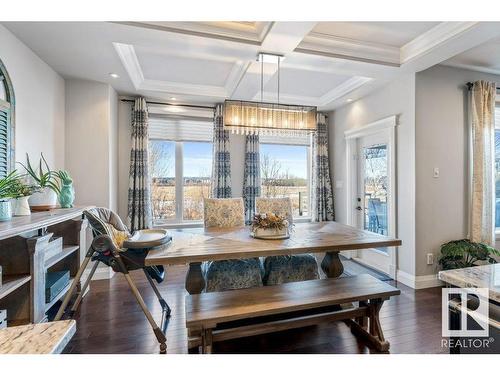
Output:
x=331 y=265
x=195 y=283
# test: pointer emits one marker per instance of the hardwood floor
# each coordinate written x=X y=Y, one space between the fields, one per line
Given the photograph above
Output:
x=110 y=321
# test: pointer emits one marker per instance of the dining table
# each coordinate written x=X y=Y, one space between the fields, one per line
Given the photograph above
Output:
x=193 y=246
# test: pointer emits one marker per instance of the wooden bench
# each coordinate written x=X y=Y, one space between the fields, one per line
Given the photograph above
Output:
x=248 y=312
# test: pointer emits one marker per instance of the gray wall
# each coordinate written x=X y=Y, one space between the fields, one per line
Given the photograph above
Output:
x=397 y=98
x=91 y=124
x=39 y=92
x=441 y=142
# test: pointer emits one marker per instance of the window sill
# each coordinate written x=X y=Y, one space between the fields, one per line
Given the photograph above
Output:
x=179 y=225
x=302 y=219
x=199 y=224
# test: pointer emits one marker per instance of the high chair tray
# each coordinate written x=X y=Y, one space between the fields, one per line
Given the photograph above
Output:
x=147 y=238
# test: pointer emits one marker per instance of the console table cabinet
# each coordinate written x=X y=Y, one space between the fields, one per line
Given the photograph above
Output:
x=23 y=245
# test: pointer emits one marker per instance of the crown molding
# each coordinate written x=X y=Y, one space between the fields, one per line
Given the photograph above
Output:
x=433 y=38
x=343 y=89
x=128 y=56
x=235 y=77
x=339 y=91
x=334 y=46
x=474 y=68
x=200 y=29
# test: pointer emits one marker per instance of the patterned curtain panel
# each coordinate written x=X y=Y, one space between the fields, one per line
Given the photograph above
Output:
x=221 y=168
x=322 y=194
x=139 y=194
x=251 y=179
x=481 y=115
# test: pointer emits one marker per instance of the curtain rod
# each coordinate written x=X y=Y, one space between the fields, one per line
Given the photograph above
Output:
x=172 y=104
x=470 y=84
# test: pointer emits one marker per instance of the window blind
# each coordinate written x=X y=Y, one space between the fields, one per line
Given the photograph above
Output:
x=4 y=141
x=179 y=129
x=303 y=139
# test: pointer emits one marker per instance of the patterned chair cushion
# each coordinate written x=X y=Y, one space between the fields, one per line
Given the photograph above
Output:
x=229 y=274
x=233 y=274
x=223 y=212
x=286 y=268
x=279 y=206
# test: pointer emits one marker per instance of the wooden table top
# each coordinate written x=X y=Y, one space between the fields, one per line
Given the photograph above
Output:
x=43 y=338
x=199 y=245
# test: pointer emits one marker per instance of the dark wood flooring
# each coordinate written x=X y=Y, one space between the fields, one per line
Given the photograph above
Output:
x=110 y=321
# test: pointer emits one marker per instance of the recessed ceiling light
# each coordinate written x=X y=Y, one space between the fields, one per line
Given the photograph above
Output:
x=172 y=98
x=114 y=75
x=349 y=100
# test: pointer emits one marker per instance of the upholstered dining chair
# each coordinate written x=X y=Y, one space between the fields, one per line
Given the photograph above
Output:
x=285 y=268
x=223 y=275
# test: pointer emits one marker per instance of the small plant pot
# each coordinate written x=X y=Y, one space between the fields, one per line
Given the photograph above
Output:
x=44 y=200
x=5 y=210
x=21 y=206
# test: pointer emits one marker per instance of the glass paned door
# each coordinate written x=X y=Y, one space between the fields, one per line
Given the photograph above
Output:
x=375 y=185
x=373 y=196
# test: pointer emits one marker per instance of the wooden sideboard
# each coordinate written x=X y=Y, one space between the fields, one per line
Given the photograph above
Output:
x=23 y=243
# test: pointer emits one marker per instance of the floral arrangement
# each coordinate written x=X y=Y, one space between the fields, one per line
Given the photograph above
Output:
x=269 y=221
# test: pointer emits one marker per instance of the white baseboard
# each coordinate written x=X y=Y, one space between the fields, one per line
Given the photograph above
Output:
x=418 y=282
x=101 y=273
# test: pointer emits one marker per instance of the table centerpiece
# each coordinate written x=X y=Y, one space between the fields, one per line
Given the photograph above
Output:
x=270 y=226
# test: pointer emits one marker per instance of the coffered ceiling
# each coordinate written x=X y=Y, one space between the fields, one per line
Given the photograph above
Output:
x=324 y=63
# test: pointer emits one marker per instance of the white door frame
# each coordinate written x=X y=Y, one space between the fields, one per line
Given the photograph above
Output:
x=388 y=126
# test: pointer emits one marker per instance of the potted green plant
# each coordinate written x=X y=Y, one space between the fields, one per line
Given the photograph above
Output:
x=464 y=253
x=21 y=194
x=7 y=186
x=47 y=180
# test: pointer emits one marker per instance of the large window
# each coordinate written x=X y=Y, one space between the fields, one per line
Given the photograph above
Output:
x=6 y=123
x=180 y=156
x=285 y=173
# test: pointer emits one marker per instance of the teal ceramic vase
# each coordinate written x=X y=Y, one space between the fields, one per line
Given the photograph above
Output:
x=5 y=210
x=67 y=196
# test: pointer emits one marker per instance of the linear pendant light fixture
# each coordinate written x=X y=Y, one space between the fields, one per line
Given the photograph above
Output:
x=246 y=117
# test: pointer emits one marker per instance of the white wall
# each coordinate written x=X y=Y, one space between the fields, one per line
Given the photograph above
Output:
x=91 y=150
x=397 y=98
x=442 y=142
x=39 y=92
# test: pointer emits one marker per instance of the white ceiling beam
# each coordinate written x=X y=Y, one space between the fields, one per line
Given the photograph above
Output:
x=282 y=39
x=444 y=41
x=350 y=49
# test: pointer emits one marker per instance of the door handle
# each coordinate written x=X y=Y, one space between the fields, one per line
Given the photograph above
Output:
x=359 y=208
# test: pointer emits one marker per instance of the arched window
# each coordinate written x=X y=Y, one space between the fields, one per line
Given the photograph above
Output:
x=7 y=106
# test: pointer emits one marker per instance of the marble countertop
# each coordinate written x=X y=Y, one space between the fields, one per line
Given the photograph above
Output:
x=475 y=277
x=42 y=338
